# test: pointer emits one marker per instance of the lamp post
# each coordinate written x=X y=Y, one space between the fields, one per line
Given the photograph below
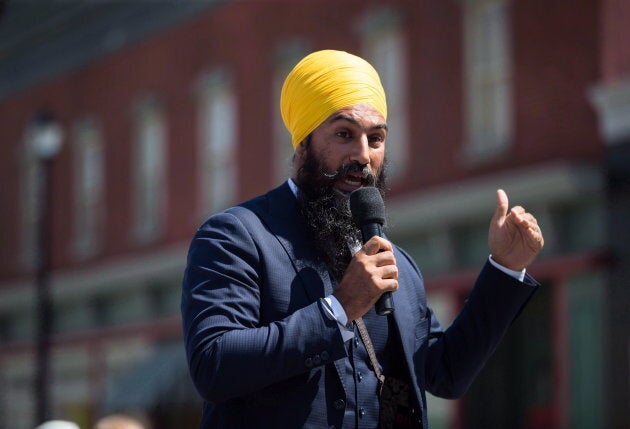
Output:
x=45 y=138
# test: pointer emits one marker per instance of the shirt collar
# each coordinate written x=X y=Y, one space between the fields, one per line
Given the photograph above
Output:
x=293 y=186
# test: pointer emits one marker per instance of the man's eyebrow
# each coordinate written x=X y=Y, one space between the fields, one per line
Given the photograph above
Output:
x=343 y=117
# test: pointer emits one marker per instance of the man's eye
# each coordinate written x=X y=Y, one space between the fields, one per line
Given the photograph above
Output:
x=377 y=138
x=344 y=134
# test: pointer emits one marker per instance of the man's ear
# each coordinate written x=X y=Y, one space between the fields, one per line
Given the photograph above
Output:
x=298 y=158
x=300 y=154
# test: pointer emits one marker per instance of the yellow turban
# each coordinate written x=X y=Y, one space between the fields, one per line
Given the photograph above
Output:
x=324 y=82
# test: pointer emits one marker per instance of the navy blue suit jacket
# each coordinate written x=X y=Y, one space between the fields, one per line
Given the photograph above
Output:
x=253 y=322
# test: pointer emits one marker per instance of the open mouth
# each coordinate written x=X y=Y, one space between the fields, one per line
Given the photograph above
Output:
x=353 y=180
x=350 y=182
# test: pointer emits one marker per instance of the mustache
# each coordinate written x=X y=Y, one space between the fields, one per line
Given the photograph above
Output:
x=368 y=176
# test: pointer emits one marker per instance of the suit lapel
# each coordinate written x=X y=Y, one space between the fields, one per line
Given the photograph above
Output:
x=407 y=314
x=403 y=315
x=284 y=221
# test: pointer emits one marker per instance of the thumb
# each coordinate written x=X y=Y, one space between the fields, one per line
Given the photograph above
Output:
x=502 y=206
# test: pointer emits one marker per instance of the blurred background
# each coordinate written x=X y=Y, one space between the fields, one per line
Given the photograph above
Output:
x=124 y=124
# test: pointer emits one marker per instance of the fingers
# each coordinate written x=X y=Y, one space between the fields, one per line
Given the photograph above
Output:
x=527 y=223
x=375 y=245
x=388 y=285
x=537 y=236
x=532 y=229
x=379 y=254
x=389 y=272
x=371 y=272
x=387 y=281
x=516 y=213
x=385 y=276
x=514 y=236
x=502 y=206
x=519 y=216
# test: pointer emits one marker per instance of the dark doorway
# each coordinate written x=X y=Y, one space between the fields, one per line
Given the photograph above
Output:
x=514 y=389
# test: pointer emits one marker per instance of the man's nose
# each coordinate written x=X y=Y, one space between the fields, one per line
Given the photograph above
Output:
x=361 y=151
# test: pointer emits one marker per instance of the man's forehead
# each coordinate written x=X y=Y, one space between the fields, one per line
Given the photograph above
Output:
x=361 y=115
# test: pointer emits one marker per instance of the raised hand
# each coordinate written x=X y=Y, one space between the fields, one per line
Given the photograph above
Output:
x=514 y=237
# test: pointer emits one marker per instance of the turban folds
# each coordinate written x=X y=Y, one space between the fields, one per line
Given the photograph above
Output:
x=324 y=82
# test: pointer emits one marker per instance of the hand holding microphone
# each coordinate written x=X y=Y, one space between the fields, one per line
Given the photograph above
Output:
x=368 y=212
x=372 y=273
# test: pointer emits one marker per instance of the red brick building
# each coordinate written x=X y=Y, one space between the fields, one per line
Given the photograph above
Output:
x=170 y=112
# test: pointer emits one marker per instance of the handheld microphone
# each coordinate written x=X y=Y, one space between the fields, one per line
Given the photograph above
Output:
x=368 y=212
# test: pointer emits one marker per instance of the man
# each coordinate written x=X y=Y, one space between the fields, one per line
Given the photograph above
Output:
x=277 y=287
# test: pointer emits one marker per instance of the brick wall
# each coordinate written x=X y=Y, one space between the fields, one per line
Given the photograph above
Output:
x=556 y=62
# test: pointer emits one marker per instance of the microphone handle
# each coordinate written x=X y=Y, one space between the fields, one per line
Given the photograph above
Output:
x=385 y=304
x=370 y=229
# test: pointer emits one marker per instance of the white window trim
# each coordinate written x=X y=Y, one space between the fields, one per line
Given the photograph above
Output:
x=148 y=229
x=382 y=28
x=612 y=101
x=480 y=145
x=217 y=86
x=87 y=243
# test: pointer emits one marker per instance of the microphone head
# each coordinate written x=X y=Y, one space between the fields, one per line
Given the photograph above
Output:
x=367 y=206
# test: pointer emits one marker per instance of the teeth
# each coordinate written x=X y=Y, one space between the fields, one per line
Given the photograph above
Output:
x=352 y=182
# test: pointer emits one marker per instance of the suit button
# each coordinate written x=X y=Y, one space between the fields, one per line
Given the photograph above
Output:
x=360 y=376
x=308 y=362
x=361 y=412
x=325 y=356
x=317 y=359
x=339 y=404
x=356 y=342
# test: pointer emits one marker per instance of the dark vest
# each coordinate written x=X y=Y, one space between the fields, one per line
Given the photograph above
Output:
x=362 y=410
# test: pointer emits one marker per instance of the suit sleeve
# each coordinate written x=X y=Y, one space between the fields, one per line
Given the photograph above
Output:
x=229 y=353
x=456 y=356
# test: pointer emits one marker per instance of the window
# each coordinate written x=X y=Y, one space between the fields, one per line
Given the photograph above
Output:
x=164 y=296
x=217 y=137
x=383 y=45
x=6 y=327
x=287 y=56
x=433 y=248
x=150 y=179
x=488 y=85
x=88 y=188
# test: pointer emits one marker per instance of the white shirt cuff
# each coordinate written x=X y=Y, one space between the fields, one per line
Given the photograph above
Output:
x=335 y=309
x=518 y=275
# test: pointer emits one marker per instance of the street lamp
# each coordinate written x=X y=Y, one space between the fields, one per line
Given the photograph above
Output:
x=45 y=138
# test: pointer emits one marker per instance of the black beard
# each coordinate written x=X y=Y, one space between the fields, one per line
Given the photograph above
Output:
x=327 y=212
